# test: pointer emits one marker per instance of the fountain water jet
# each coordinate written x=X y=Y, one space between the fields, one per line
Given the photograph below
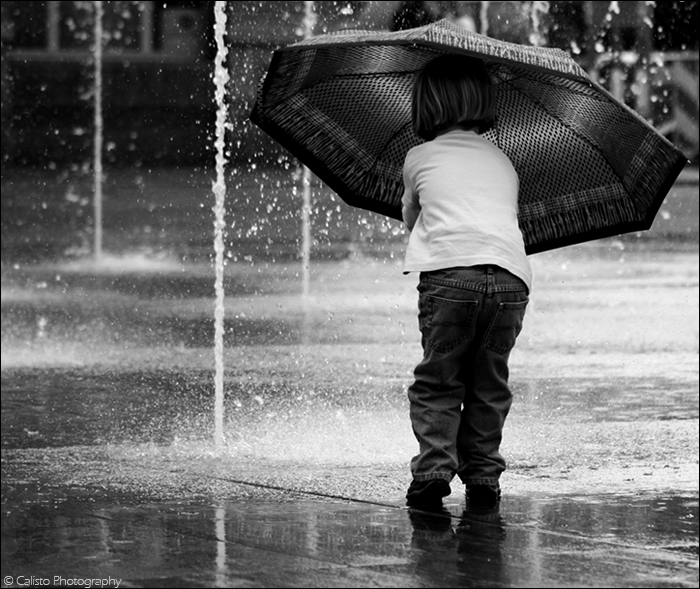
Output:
x=309 y=24
x=98 y=124
x=221 y=78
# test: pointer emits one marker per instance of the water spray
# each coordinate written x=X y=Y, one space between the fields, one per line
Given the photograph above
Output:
x=537 y=9
x=484 y=17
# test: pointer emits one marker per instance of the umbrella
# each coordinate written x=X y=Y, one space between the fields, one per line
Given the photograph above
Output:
x=589 y=166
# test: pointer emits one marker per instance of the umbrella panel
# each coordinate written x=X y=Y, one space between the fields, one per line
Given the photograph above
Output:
x=372 y=120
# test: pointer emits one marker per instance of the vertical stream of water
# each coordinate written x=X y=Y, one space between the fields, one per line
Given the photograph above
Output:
x=98 y=132
x=308 y=25
x=221 y=78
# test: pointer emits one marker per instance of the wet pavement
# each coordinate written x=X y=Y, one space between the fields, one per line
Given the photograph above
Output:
x=282 y=539
x=109 y=472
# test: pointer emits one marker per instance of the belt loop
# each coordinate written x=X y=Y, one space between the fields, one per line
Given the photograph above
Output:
x=490 y=282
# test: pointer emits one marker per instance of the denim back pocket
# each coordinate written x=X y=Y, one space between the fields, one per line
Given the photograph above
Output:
x=445 y=323
x=505 y=327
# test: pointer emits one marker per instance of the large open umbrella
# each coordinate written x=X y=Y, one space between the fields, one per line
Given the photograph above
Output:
x=589 y=166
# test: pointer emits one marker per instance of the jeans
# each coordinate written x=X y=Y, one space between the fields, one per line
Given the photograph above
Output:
x=469 y=320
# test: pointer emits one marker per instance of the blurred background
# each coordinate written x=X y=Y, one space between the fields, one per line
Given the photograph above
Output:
x=158 y=111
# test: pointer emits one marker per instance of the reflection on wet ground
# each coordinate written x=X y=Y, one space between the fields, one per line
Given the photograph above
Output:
x=291 y=541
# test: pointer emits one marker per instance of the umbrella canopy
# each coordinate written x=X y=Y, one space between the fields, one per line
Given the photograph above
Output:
x=589 y=166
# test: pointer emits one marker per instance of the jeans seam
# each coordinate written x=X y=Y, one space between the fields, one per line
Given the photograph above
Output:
x=447 y=476
x=456 y=284
x=478 y=287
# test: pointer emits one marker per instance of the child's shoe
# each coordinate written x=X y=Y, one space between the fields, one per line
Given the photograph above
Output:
x=483 y=498
x=427 y=494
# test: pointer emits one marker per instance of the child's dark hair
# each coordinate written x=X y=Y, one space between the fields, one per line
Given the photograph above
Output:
x=452 y=90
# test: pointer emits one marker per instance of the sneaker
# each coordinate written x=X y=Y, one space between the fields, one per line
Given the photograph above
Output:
x=427 y=494
x=483 y=498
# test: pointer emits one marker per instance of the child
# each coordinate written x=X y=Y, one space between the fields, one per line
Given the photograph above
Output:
x=460 y=204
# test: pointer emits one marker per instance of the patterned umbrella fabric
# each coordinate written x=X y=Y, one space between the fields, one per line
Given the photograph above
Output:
x=589 y=166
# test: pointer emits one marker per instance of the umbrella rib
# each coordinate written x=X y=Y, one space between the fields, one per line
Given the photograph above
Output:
x=389 y=141
x=367 y=75
x=513 y=74
x=570 y=128
x=358 y=75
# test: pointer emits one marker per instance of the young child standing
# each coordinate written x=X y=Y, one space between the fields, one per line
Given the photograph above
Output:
x=460 y=204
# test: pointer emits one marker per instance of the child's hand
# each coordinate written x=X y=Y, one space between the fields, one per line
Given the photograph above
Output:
x=410 y=215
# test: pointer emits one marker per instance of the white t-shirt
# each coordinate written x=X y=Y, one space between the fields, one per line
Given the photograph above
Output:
x=464 y=191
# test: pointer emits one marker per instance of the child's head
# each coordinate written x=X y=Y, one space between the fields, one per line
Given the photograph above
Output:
x=452 y=90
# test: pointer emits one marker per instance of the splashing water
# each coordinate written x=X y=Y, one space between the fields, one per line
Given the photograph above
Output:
x=484 y=17
x=537 y=9
x=221 y=78
x=613 y=7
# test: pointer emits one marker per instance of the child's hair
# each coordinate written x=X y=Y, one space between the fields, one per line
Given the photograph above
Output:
x=452 y=90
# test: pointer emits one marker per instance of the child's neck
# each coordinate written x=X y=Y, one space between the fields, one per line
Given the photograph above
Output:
x=456 y=128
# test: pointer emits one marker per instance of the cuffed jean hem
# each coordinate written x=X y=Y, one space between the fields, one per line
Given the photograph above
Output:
x=490 y=481
x=431 y=476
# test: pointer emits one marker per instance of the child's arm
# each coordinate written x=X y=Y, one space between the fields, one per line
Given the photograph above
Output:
x=410 y=215
x=410 y=207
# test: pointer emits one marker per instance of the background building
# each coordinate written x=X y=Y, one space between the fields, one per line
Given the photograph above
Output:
x=158 y=61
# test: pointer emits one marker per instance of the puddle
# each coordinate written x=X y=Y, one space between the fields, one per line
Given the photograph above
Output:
x=613 y=543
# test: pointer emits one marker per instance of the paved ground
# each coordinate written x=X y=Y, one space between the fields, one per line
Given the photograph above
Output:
x=108 y=469
x=108 y=466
